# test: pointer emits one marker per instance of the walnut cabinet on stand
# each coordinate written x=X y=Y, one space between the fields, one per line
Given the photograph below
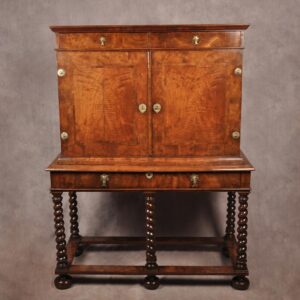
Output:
x=150 y=108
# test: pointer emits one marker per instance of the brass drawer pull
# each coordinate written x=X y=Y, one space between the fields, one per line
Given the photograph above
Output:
x=142 y=108
x=196 y=39
x=149 y=175
x=104 y=178
x=194 y=180
x=61 y=72
x=238 y=71
x=235 y=135
x=64 y=135
x=156 y=107
x=102 y=40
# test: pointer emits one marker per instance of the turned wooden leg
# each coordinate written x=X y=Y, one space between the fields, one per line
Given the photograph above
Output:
x=63 y=281
x=241 y=282
x=151 y=282
x=230 y=221
x=74 y=228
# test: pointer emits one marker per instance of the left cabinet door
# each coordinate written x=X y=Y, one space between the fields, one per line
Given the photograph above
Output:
x=99 y=96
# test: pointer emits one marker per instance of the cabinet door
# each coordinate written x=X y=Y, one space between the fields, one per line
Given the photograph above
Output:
x=99 y=99
x=200 y=102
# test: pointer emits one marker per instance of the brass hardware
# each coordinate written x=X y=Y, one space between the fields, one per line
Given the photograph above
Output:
x=61 y=72
x=194 y=180
x=142 y=108
x=235 y=135
x=149 y=175
x=196 y=39
x=104 y=180
x=238 y=71
x=156 y=107
x=102 y=40
x=64 y=135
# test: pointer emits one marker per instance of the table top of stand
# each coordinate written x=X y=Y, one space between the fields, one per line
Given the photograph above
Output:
x=153 y=164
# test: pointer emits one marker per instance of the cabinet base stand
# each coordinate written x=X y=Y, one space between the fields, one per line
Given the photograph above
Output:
x=232 y=246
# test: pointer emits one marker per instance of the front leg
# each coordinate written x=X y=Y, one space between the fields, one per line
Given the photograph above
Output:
x=74 y=228
x=151 y=282
x=241 y=282
x=230 y=221
x=63 y=281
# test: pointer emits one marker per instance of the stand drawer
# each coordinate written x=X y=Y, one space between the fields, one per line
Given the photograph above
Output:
x=145 y=181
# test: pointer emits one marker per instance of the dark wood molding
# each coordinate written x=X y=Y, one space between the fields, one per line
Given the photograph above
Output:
x=148 y=28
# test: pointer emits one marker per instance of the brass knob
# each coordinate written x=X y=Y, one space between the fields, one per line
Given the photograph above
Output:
x=64 y=135
x=194 y=180
x=142 y=108
x=238 y=71
x=149 y=175
x=235 y=135
x=196 y=39
x=156 y=107
x=102 y=40
x=104 y=178
x=61 y=72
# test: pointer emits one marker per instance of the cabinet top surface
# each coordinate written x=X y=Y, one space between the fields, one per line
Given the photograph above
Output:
x=148 y=28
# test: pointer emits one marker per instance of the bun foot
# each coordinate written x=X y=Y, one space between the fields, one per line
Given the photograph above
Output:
x=151 y=282
x=79 y=251
x=240 y=283
x=63 y=282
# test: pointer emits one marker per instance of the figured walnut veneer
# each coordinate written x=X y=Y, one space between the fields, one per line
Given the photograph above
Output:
x=150 y=108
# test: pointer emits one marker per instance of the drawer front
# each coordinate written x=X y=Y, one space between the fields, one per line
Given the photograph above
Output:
x=103 y=41
x=179 y=40
x=145 y=181
x=195 y=40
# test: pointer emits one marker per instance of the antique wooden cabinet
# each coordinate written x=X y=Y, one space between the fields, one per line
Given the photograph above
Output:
x=150 y=108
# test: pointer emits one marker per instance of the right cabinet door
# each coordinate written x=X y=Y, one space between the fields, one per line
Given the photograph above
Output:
x=200 y=98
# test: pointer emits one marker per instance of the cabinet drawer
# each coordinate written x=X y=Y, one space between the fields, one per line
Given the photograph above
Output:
x=195 y=40
x=145 y=181
x=102 y=41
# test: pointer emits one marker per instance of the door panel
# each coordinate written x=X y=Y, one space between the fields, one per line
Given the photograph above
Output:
x=99 y=98
x=200 y=99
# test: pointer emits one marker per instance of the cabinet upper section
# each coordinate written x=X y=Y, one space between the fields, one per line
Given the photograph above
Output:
x=140 y=91
x=149 y=37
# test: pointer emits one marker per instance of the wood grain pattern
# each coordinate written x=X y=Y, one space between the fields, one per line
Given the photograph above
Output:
x=99 y=99
x=155 y=164
x=102 y=87
x=177 y=40
x=138 y=181
x=200 y=98
x=191 y=137
x=113 y=41
x=183 y=40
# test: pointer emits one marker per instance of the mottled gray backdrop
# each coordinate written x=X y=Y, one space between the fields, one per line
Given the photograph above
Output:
x=30 y=140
